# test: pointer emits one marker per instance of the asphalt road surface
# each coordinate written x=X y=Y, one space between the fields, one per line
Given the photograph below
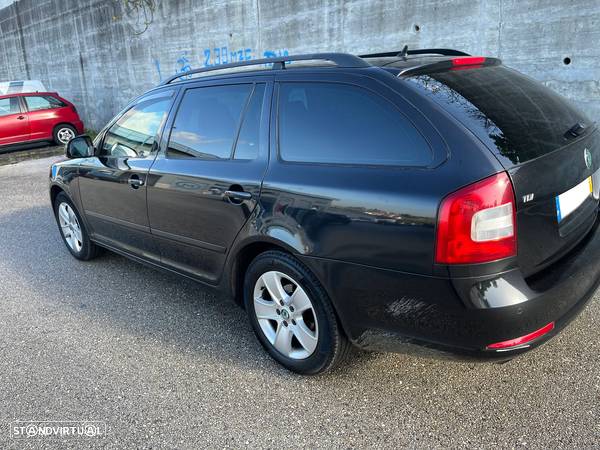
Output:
x=166 y=365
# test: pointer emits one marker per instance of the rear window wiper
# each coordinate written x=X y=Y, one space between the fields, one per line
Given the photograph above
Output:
x=576 y=130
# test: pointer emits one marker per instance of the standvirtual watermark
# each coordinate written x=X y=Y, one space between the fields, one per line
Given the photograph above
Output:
x=29 y=429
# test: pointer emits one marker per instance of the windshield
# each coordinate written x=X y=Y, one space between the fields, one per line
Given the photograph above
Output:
x=516 y=116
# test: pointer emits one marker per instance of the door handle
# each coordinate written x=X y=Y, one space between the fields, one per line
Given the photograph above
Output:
x=135 y=182
x=237 y=196
x=21 y=118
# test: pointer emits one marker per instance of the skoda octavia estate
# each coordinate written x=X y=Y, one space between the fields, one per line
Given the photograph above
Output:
x=421 y=199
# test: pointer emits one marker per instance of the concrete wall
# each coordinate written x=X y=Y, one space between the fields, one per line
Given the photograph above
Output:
x=88 y=50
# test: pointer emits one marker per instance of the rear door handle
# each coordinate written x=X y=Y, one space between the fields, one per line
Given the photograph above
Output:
x=21 y=118
x=135 y=182
x=238 y=195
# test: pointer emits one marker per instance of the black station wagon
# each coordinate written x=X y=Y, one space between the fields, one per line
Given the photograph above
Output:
x=421 y=199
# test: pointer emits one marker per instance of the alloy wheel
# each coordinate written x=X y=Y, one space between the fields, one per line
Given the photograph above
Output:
x=70 y=228
x=286 y=315
x=64 y=135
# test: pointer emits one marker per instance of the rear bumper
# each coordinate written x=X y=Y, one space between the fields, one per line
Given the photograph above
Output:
x=392 y=311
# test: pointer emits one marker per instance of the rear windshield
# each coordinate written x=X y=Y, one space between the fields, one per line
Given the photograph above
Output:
x=516 y=116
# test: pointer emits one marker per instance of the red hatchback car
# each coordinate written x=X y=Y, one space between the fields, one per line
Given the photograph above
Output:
x=40 y=116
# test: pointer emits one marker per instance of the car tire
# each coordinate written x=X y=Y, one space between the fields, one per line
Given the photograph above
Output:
x=63 y=134
x=292 y=316
x=72 y=229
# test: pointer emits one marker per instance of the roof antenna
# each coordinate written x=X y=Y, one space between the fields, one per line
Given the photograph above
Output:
x=404 y=52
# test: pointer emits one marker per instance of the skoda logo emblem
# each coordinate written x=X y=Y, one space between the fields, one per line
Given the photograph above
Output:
x=285 y=314
x=587 y=156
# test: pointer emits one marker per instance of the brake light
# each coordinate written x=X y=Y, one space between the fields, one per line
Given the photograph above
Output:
x=517 y=342
x=477 y=223
x=468 y=61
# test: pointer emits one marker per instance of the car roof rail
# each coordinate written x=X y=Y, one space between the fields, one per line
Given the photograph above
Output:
x=420 y=51
x=342 y=60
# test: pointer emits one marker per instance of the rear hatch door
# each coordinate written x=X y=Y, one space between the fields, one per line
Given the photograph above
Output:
x=550 y=150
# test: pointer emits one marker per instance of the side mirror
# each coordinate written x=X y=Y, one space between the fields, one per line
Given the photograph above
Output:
x=80 y=147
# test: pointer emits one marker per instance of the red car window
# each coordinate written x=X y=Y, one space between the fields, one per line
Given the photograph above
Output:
x=9 y=106
x=38 y=102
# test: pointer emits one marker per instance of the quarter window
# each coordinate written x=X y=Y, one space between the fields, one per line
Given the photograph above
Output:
x=207 y=122
x=135 y=133
x=343 y=124
x=9 y=106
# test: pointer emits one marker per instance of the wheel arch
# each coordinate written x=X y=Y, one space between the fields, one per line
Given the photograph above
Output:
x=54 y=191
x=246 y=251
x=60 y=124
x=243 y=256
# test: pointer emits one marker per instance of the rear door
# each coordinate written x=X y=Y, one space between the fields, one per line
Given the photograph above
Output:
x=204 y=186
x=354 y=178
x=550 y=150
x=43 y=114
x=113 y=183
x=14 y=125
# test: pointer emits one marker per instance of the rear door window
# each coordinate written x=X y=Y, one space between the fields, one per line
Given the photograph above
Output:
x=517 y=117
x=38 y=102
x=9 y=106
x=247 y=144
x=335 y=123
x=207 y=122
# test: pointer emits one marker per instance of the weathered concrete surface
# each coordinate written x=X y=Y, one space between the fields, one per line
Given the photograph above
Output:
x=89 y=52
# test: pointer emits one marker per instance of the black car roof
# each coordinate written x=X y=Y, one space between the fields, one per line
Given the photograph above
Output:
x=403 y=59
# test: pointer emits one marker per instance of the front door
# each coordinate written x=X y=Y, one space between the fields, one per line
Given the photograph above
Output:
x=113 y=183
x=204 y=187
x=14 y=124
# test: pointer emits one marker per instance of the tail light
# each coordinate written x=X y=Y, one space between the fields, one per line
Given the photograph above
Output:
x=477 y=223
